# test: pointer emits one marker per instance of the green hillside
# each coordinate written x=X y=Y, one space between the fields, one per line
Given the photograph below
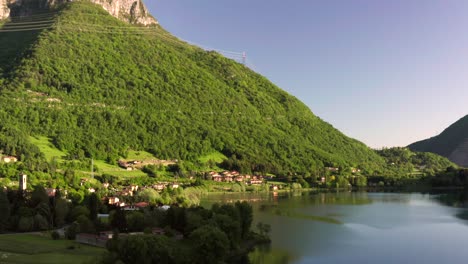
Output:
x=98 y=87
x=450 y=143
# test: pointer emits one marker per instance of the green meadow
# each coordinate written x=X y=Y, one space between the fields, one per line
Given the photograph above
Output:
x=41 y=249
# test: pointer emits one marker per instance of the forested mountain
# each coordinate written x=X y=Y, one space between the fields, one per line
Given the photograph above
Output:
x=451 y=143
x=97 y=87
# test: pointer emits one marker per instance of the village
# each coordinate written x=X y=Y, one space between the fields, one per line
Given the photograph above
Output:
x=123 y=196
x=119 y=196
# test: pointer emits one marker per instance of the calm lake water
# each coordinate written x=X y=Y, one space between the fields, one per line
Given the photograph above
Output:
x=360 y=227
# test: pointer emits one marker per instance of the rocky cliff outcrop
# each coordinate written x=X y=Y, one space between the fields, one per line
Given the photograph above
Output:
x=132 y=11
x=4 y=10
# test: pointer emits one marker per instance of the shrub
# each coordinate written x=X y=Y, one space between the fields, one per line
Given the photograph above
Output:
x=55 y=235
x=71 y=231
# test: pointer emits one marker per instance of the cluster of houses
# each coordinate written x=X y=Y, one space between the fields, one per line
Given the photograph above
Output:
x=117 y=202
x=332 y=169
x=130 y=165
x=9 y=159
x=336 y=170
x=132 y=189
x=235 y=176
x=139 y=164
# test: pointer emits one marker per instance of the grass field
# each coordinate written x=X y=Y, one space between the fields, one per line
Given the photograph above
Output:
x=215 y=156
x=41 y=249
x=139 y=155
x=46 y=147
x=116 y=170
x=50 y=151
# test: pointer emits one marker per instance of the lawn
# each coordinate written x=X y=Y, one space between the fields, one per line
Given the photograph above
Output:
x=46 y=147
x=106 y=168
x=216 y=157
x=50 y=151
x=28 y=248
x=139 y=155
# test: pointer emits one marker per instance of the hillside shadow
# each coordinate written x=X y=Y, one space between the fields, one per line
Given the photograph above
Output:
x=17 y=37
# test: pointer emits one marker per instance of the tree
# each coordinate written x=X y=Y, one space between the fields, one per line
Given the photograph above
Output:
x=93 y=205
x=176 y=218
x=246 y=217
x=149 y=195
x=4 y=211
x=361 y=181
x=40 y=222
x=230 y=227
x=145 y=249
x=264 y=229
x=210 y=245
x=72 y=230
x=26 y=224
x=43 y=210
x=55 y=235
x=135 y=221
x=86 y=225
x=77 y=212
x=61 y=211
x=118 y=220
x=39 y=195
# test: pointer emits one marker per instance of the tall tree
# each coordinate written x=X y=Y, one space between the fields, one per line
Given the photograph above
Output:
x=39 y=195
x=61 y=211
x=210 y=245
x=4 y=211
x=93 y=205
x=246 y=217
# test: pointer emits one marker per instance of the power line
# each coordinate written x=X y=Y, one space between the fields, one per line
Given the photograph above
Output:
x=25 y=29
x=30 y=22
x=45 y=23
x=27 y=26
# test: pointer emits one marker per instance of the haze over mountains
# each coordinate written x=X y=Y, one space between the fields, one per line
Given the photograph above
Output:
x=451 y=143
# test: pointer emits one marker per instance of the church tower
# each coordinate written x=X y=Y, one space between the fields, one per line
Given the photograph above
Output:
x=22 y=182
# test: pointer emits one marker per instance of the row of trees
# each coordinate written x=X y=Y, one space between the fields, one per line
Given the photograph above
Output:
x=222 y=233
x=36 y=210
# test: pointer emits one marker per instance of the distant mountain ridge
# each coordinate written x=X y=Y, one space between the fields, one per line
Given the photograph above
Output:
x=451 y=143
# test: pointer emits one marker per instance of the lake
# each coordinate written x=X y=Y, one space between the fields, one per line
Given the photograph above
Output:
x=360 y=227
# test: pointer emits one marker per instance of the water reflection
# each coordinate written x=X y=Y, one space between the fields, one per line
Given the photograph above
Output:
x=457 y=199
x=360 y=227
x=265 y=254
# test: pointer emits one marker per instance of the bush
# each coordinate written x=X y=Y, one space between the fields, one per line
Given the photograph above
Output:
x=296 y=186
x=55 y=235
x=236 y=188
x=71 y=231
x=147 y=231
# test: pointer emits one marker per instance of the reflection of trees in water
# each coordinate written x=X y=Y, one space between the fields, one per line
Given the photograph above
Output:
x=401 y=198
x=463 y=215
x=300 y=199
x=456 y=199
x=265 y=254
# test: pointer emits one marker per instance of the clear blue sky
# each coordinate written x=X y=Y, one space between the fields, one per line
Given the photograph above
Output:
x=387 y=73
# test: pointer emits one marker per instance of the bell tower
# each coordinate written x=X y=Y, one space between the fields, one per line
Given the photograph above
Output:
x=23 y=182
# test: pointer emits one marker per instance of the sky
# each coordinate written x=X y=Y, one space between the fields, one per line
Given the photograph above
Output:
x=387 y=73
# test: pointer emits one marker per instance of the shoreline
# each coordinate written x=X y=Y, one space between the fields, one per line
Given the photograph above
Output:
x=354 y=189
